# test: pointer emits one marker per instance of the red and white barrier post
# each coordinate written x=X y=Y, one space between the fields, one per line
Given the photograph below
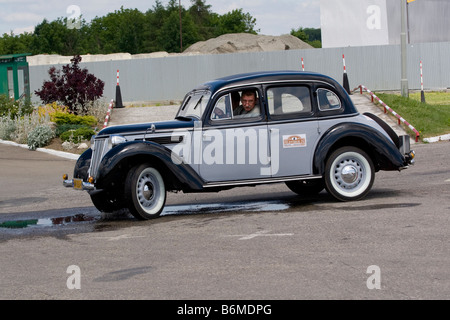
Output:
x=108 y=114
x=303 y=65
x=118 y=94
x=422 y=94
x=346 y=84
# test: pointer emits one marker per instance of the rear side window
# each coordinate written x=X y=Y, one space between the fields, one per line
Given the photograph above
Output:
x=292 y=100
x=327 y=100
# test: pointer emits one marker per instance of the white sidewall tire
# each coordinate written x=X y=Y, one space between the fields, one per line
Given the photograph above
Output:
x=147 y=192
x=347 y=186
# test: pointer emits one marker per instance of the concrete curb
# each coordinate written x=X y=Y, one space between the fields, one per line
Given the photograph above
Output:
x=438 y=138
x=62 y=154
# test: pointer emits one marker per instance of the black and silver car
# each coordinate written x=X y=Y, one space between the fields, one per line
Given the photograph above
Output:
x=303 y=131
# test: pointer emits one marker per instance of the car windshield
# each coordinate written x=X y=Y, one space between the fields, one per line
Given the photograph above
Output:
x=194 y=105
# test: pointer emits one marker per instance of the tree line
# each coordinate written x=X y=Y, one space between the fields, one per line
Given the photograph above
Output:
x=133 y=31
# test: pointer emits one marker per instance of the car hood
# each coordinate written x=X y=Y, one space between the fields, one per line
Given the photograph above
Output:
x=146 y=127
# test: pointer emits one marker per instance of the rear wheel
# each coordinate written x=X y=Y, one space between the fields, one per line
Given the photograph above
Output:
x=349 y=174
x=145 y=192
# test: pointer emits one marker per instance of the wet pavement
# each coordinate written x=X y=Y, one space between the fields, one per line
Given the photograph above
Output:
x=260 y=242
x=246 y=243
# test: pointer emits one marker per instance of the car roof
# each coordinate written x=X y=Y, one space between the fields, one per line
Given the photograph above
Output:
x=274 y=76
x=263 y=76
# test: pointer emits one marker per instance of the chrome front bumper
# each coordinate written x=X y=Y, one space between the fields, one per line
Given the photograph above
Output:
x=78 y=184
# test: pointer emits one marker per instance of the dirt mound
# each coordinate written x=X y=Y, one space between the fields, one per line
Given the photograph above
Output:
x=245 y=42
x=227 y=43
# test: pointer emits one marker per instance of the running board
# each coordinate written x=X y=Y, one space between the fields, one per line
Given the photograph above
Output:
x=258 y=181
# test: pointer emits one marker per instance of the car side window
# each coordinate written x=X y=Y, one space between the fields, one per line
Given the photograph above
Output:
x=238 y=105
x=289 y=100
x=222 y=109
x=327 y=100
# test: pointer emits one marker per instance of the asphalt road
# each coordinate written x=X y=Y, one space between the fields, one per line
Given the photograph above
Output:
x=246 y=243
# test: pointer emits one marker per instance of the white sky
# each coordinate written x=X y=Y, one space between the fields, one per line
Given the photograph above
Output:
x=273 y=17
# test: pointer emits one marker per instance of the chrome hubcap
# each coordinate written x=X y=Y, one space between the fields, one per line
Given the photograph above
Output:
x=348 y=174
x=146 y=190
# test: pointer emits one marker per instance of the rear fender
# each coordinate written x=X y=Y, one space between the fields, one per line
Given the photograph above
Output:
x=383 y=151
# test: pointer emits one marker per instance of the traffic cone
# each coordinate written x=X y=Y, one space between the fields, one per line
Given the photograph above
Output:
x=346 y=84
x=118 y=94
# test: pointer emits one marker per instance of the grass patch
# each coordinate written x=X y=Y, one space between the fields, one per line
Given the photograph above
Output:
x=430 y=119
x=434 y=98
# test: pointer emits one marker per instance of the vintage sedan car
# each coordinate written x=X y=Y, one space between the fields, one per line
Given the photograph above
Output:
x=243 y=130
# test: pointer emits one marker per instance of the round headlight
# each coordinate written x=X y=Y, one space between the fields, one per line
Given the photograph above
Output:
x=116 y=140
x=93 y=143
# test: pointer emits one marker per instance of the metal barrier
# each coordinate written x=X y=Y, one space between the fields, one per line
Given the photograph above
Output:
x=387 y=108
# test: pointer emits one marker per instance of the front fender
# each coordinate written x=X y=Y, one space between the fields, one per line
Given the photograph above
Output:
x=383 y=151
x=149 y=152
x=82 y=165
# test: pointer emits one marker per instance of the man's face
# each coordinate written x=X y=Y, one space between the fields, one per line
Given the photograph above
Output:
x=248 y=102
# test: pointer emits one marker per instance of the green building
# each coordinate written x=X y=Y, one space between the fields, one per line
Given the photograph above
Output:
x=14 y=76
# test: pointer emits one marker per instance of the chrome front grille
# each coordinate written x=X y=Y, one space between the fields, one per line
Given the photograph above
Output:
x=101 y=147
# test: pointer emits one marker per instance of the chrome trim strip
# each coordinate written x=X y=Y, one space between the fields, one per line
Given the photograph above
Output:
x=259 y=181
x=147 y=133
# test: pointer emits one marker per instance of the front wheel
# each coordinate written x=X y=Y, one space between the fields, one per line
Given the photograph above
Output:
x=105 y=201
x=145 y=192
x=349 y=174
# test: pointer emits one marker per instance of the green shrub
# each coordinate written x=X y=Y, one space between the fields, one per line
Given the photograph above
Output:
x=13 y=108
x=7 y=128
x=77 y=135
x=39 y=137
x=69 y=118
x=61 y=128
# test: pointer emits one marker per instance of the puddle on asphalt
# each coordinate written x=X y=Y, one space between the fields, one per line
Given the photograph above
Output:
x=45 y=222
x=168 y=211
x=222 y=207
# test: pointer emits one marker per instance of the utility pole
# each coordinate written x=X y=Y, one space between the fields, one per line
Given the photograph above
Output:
x=404 y=79
x=181 y=28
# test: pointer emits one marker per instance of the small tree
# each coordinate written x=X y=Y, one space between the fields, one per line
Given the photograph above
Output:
x=73 y=87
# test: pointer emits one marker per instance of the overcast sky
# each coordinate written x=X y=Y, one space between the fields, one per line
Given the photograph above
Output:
x=273 y=17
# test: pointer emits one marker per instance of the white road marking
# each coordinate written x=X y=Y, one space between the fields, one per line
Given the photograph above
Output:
x=121 y=237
